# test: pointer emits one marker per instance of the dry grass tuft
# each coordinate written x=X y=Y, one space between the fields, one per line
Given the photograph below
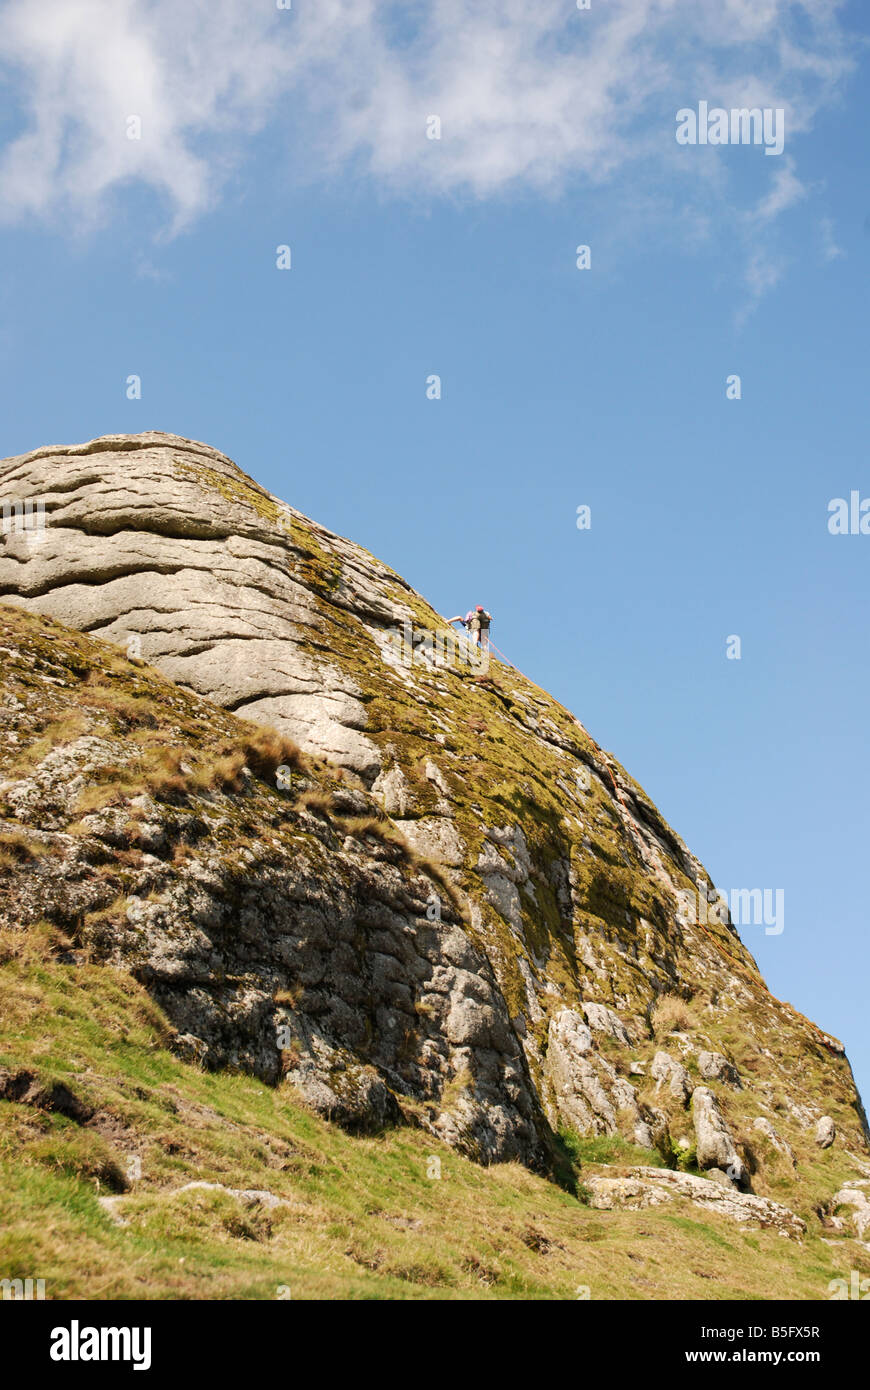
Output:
x=671 y=1014
x=16 y=849
x=317 y=801
x=265 y=751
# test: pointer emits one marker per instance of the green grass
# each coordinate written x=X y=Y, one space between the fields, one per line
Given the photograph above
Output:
x=607 y=1148
x=364 y=1219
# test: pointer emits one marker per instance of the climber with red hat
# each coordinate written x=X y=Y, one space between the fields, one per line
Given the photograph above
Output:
x=476 y=623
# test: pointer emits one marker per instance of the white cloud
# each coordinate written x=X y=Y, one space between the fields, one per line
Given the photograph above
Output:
x=786 y=189
x=830 y=250
x=530 y=95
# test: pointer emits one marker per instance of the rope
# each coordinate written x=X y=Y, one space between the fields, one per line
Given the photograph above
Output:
x=507 y=661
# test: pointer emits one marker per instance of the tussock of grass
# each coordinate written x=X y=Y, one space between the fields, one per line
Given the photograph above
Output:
x=671 y=1014
x=377 y=827
x=265 y=751
x=40 y=942
x=382 y=829
x=315 y=800
x=17 y=848
x=132 y=710
x=66 y=729
x=175 y=775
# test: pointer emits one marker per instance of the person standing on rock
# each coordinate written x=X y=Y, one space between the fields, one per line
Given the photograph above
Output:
x=479 y=627
x=476 y=623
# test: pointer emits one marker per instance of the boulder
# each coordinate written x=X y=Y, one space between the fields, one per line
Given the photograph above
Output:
x=601 y=1019
x=714 y=1067
x=826 y=1132
x=671 y=1074
x=854 y=1195
x=714 y=1143
x=781 y=1145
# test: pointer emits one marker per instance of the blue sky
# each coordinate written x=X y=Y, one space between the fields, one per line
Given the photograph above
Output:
x=561 y=387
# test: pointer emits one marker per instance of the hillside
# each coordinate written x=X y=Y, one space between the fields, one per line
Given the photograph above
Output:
x=293 y=908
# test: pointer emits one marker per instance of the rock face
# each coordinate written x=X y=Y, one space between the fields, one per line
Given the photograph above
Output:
x=278 y=934
x=167 y=544
x=463 y=913
x=587 y=1092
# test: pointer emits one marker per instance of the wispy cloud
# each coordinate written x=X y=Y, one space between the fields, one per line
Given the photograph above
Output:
x=763 y=273
x=786 y=189
x=529 y=95
x=830 y=250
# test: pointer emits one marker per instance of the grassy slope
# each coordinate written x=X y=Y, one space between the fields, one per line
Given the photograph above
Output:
x=364 y=1220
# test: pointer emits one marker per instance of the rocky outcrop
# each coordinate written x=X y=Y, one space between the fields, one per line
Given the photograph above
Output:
x=764 y=1127
x=713 y=1139
x=714 y=1067
x=855 y=1196
x=459 y=911
x=278 y=936
x=640 y=1188
x=165 y=546
x=670 y=1073
x=585 y=1090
